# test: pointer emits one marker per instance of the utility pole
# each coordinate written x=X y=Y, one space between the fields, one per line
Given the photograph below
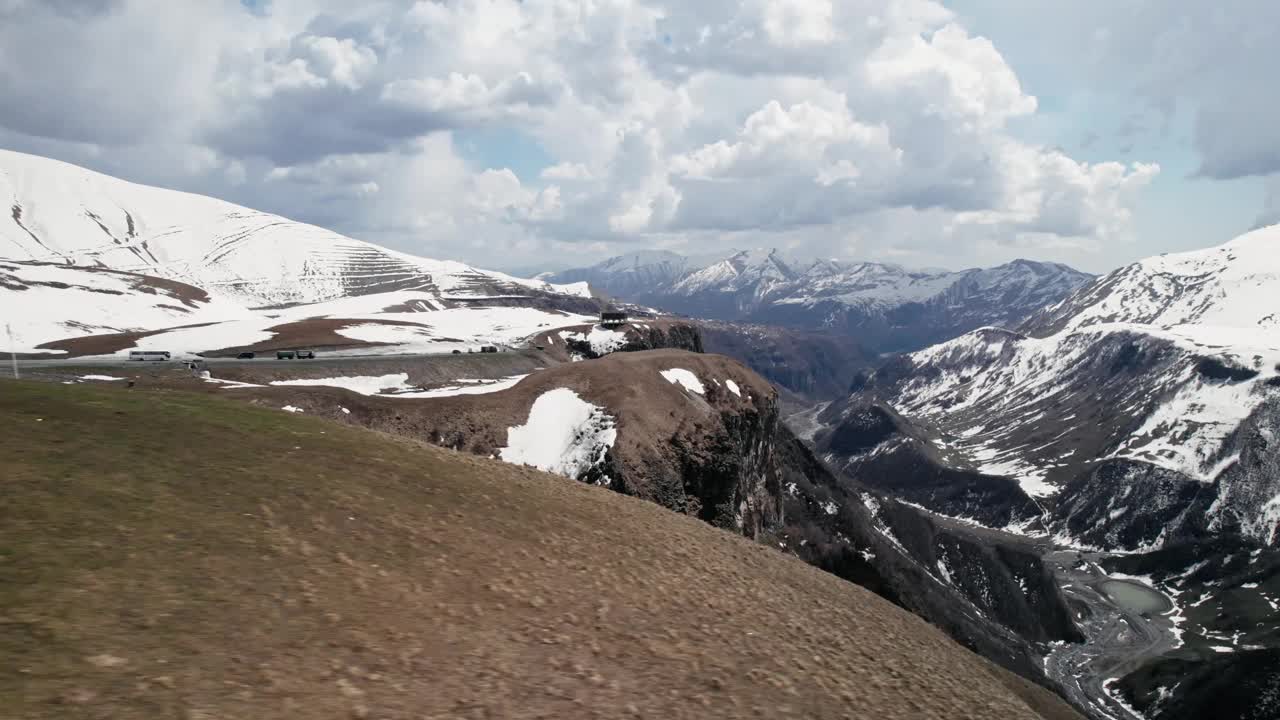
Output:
x=13 y=350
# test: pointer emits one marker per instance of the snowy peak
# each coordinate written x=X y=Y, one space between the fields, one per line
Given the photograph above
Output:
x=641 y=261
x=627 y=276
x=103 y=265
x=753 y=271
x=763 y=264
x=60 y=213
x=886 y=306
x=1230 y=286
x=1160 y=381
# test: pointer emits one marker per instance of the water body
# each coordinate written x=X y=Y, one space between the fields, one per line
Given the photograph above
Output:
x=1135 y=597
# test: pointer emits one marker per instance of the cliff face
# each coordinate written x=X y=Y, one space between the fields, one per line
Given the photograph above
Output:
x=590 y=342
x=728 y=471
x=674 y=335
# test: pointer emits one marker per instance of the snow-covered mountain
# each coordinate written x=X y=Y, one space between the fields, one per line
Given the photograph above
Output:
x=628 y=276
x=887 y=307
x=64 y=214
x=70 y=231
x=1141 y=411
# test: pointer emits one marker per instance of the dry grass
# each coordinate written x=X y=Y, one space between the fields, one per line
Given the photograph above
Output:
x=173 y=555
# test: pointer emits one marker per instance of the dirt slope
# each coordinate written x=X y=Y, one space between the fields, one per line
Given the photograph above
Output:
x=169 y=555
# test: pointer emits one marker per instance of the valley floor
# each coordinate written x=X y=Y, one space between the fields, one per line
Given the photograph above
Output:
x=1119 y=639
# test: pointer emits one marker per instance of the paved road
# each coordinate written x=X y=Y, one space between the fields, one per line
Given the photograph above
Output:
x=262 y=358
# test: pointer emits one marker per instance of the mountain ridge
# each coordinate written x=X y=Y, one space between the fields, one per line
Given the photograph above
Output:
x=63 y=213
x=887 y=307
x=73 y=235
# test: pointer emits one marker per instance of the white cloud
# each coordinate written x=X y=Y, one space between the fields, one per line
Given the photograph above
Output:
x=342 y=62
x=798 y=22
x=566 y=171
x=799 y=138
x=950 y=74
x=800 y=122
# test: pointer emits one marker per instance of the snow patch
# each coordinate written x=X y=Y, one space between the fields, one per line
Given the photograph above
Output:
x=602 y=340
x=228 y=384
x=362 y=384
x=733 y=387
x=564 y=434
x=473 y=387
x=685 y=379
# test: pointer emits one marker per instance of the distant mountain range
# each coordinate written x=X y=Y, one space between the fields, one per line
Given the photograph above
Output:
x=1162 y=378
x=885 y=307
x=1139 y=416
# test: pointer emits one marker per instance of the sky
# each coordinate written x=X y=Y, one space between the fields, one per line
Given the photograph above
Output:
x=544 y=134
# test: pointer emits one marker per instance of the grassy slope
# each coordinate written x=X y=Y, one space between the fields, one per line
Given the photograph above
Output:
x=168 y=555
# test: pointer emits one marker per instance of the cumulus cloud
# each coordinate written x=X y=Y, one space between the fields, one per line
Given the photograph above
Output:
x=859 y=127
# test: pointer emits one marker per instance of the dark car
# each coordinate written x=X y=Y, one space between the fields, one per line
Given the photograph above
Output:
x=285 y=354
x=245 y=356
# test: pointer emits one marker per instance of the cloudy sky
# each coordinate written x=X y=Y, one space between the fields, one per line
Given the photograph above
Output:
x=548 y=133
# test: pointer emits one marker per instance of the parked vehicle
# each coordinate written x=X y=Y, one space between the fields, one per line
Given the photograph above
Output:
x=285 y=354
x=488 y=348
x=306 y=354
x=245 y=356
x=158 y=355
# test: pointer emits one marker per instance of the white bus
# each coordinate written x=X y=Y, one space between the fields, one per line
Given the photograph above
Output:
x=149 y=355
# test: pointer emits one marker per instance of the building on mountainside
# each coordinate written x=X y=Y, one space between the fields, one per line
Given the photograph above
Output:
x=613 y=318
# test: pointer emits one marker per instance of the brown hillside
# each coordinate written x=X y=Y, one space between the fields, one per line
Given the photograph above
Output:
x=699 y=454
x=172 y=555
